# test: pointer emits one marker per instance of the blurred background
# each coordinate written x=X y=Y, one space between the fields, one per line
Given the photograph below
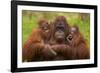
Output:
x=30 y=21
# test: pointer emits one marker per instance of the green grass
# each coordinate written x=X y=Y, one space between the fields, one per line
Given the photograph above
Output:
x=30 y=19
x=27 y=27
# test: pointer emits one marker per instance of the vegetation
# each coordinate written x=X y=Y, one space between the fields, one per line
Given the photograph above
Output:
x=30 y=19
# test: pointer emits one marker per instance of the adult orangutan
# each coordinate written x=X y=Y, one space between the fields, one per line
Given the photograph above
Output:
x=58 y=41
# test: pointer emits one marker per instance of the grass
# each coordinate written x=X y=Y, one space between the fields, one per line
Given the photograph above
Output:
x=30 y=19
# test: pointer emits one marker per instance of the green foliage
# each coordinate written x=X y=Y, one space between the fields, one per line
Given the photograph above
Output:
x=31 y=18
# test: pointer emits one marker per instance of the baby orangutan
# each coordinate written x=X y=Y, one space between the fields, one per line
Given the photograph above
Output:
x=78 y=44
x=36 y=46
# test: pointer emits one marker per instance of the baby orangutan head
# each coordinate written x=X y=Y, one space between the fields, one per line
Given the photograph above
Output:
x=74 y=37
x=45 y=28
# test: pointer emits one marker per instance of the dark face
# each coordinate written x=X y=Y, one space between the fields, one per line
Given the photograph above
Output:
x=60 y=29
x=59 y=33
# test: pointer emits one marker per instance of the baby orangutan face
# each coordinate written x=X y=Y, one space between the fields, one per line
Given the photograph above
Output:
x=73 y=30
x=45 y=28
